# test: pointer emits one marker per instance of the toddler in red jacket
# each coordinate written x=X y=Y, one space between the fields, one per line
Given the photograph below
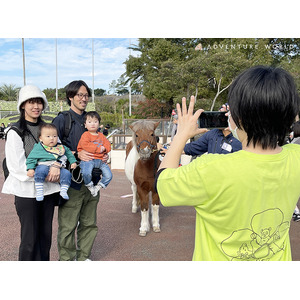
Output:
x=97 y=144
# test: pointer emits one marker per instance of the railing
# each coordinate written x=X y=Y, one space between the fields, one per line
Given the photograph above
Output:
x=119 y=141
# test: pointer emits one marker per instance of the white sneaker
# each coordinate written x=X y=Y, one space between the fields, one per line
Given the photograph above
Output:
x=88 y=259
x=92 y=189
x=97 y=188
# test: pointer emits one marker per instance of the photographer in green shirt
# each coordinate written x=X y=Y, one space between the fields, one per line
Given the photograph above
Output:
x=244 y=201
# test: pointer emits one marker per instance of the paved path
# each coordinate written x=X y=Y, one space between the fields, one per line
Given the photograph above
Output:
x=118 y=238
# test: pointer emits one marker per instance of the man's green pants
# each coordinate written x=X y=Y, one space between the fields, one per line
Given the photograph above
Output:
x=79 y=212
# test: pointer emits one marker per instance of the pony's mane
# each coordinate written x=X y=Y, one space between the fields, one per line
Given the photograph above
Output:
x=140 y=125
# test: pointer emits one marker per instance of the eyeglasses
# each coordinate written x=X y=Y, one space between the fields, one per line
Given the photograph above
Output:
x=86 y=96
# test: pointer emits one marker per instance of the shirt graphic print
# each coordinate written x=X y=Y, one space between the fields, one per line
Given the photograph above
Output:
x=259 y=242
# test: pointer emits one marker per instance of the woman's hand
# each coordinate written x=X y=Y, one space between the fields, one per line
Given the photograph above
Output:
x=187 y=120
x=187 y=128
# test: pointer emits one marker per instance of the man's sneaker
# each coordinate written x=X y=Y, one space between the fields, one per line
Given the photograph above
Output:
x=296 y=217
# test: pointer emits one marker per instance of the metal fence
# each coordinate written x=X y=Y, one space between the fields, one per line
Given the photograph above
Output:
x=120 y=140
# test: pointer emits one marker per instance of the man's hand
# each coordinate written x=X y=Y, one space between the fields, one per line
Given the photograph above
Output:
x=85 y=156
x=53 y=175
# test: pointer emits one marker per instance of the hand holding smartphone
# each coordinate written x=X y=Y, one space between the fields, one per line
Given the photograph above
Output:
x=213 y=119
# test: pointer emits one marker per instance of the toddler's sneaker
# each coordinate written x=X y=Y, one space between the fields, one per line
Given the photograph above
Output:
x=99 y=186
x=296 y=217
x=92 y=189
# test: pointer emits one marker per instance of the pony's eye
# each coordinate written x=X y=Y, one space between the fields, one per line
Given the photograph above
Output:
x=136 y=135
x=152 y=134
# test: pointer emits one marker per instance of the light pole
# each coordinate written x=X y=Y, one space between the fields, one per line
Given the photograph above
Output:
x=56 y=93
x=23 y=61
x=93 y=75
x=129 y=83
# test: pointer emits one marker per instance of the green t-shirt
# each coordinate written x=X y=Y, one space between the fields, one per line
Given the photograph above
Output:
x=244 y=202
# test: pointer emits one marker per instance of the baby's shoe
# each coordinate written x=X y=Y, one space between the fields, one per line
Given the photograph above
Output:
x=63 y=191
x=64 y=195
x=40 y=198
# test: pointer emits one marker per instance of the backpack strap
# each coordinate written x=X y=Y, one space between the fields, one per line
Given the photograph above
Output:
x=20 y=133
x=68 y=124
x=17 y=130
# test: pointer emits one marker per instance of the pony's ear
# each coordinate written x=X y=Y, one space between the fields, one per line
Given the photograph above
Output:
x=156 y=124
x=132 y=125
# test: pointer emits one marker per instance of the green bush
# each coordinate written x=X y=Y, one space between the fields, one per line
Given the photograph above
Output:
x=114 y=120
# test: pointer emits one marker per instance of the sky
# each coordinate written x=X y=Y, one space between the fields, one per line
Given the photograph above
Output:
x=74 y=61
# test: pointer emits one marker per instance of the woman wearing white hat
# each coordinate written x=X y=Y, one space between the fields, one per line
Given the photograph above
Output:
x=35 y=216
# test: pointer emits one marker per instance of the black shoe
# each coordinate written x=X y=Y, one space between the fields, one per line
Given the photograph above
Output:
x=296 y=217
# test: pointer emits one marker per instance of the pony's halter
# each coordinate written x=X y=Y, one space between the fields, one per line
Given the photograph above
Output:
x=150 y=145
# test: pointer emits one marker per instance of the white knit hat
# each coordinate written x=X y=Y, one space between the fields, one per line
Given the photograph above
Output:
x=31 y=91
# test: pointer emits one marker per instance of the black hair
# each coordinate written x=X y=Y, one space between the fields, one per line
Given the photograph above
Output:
x=296 y=129
x=264 y=102
x=73 y=87
x=22 y=121
x=92 y=114
x=48 y=126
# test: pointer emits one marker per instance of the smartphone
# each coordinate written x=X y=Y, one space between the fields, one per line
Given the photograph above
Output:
x=213 y=119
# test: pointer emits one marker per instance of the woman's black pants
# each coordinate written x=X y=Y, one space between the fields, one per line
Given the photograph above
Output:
x=36 y=226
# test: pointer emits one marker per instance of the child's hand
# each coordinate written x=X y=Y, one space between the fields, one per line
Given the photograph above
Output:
x=105 y=157
x=73 y=165
x=30 y=173
x=102 y=149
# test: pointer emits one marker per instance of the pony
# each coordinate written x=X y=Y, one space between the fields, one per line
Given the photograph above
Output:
x=141 y=163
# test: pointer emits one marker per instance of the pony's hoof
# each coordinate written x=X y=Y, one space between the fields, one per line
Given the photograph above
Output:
x=134 y=210
x=142 y=233
x=156 y=229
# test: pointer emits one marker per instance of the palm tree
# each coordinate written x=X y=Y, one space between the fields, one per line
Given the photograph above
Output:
x=9 y=92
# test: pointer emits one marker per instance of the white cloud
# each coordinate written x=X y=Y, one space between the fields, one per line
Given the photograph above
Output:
x=74 y=61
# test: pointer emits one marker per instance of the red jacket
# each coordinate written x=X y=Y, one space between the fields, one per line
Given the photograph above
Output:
x=92 y=143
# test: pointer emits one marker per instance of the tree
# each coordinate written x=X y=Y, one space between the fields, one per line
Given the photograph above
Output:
x=119 y=87
x=284 y=49
x=51 y=94
x=151 y=108
x=168 y=69
x=9 y=92
x=99 y=92
x=154 y=69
